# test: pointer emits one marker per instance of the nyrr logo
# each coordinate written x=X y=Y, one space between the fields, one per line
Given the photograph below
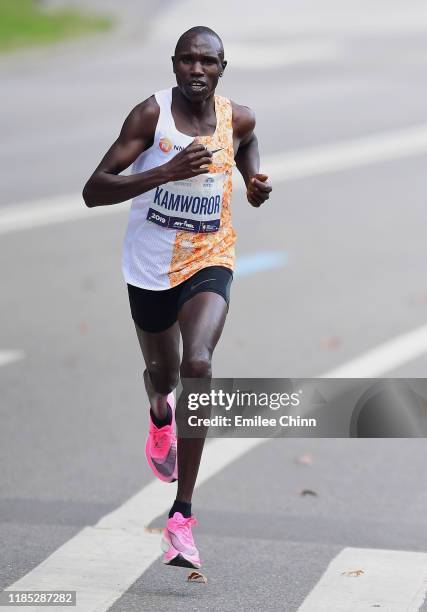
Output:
x=165 y=145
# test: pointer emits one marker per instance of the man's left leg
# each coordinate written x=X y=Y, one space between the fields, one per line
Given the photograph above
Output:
x=201 y=320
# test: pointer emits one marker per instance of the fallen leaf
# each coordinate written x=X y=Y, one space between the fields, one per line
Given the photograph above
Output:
x=330 y=343
x=153 y=529
x=355 y=573
x=305 y=459
x=308 y=492
x=417 y=299
x=196 y=577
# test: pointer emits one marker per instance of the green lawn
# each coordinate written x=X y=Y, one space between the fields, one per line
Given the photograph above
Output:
x=25 y=23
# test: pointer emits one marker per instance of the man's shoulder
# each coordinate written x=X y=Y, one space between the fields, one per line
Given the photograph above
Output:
x=243 y=119
x=147 y=109
x=142 y=119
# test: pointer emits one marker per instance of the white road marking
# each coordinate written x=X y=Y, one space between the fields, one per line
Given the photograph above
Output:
x=392 y=580
x=101 y=562
x=334 y=157
x=49 y=211
x=385 y=357
x=276 y=55
x=7 y=357
x=284 y=20
x=338 y=156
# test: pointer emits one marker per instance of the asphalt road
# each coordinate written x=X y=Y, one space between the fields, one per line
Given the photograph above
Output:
x=353 y=242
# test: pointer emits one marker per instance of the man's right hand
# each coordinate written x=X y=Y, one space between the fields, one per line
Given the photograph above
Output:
x=105 y=186
x=189 y=162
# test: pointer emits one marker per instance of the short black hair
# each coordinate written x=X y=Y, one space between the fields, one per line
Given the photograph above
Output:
x=200 y=30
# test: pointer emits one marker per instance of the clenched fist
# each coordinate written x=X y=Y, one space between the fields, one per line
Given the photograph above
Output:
x=258 y=189
x=189 y=162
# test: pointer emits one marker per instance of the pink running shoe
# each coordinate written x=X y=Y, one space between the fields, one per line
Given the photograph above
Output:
x=161 y=448
x=178 y=544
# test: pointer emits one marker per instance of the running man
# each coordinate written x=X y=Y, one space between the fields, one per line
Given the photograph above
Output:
x=178 y=255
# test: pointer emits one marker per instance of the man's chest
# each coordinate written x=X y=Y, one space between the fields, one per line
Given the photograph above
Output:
x=192 y=126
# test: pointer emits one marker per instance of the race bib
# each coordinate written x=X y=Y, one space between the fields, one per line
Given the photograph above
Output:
x=192 y=205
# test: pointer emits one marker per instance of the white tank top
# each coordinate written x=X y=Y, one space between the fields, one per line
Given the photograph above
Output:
x=180 y=227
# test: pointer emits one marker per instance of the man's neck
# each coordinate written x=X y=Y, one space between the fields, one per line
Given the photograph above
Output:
x=195 y=108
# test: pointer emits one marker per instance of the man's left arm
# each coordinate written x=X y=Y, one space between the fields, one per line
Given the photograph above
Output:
x=247 y=157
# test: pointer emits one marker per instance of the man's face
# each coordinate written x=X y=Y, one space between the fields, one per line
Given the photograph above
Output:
x=197 y=66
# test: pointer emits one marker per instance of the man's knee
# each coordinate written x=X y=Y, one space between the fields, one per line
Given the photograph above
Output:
x=196 y=367
x=163 y=379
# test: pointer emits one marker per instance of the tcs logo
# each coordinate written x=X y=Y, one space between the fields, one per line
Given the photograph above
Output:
x=165 y=145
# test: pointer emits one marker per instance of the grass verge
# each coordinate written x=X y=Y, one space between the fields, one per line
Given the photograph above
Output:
x=25 y=23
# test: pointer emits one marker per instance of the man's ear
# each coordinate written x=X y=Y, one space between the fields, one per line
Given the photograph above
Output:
x=173 y=63
x=224 y=64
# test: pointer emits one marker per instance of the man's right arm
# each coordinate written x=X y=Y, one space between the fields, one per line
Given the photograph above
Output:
x=106 y=186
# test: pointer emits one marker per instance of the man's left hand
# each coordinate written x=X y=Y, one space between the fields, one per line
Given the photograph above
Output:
x=258 y=189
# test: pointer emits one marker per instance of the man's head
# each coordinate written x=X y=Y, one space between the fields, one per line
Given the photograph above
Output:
x=198 y=62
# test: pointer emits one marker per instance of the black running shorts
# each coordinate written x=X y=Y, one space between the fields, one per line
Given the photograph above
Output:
x=155 y=311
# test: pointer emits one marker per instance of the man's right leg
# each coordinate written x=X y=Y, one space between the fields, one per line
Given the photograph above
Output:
x=161 y=355
x=162 y=361
x=155 y=316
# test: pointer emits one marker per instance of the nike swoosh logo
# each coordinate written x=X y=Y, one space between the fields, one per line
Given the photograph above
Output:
x=203 y=281
x=167 y=467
